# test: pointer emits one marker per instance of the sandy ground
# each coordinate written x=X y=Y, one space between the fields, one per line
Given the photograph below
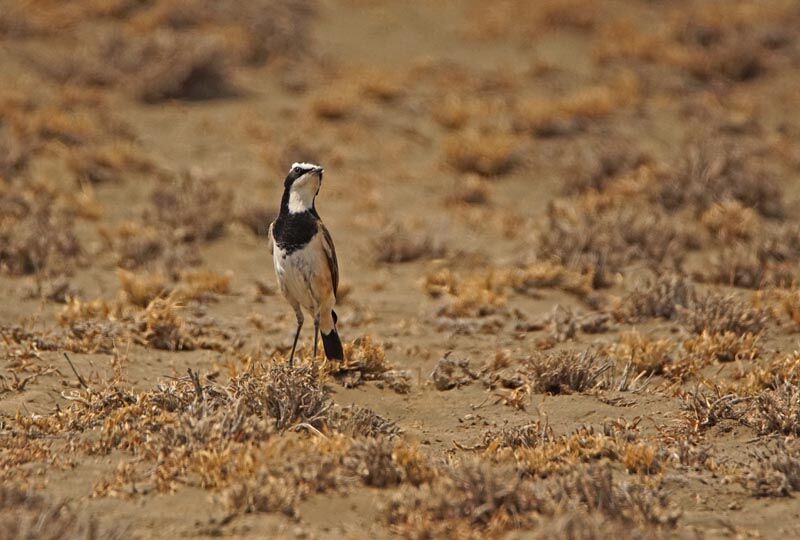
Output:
x=448 y=132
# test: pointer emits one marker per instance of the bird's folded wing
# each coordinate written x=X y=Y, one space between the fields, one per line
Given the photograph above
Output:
x=270 y=239
x=330 y=255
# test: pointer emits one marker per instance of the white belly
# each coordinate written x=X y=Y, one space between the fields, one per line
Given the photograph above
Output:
x=294 y=272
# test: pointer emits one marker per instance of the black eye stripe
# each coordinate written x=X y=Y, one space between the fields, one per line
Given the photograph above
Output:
x=299 y=171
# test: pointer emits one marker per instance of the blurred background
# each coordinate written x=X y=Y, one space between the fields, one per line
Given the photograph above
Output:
x=494 y=110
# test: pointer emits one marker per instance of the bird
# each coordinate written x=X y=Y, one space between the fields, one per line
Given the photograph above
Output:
x=305 y=258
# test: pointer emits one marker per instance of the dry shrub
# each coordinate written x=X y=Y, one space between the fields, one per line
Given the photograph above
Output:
x=777 y=410
x=775 y=472
x=93 y=337
x=779 y=244
x=484 y=154
x=263 y=493
x=632 y=503
x=37 y=236
x=476 y=296
x=471 y=190
x=417 y=467
x=335 y=104
x=548 y=275
x=645 y=354
x=133 y=244
x=473 y=500
x=484 y=293
x=563 y=324
x=578 y=524
x=166 y=66
x=708 y=42
x=15 y=23
x=382 y=85
x=703 y=410
x=256 y=218
x=397 y=243
x=567 y=371
x=294 y=396
x=473 y=301
x=709 y=174
x=722 y=347
x=141 y=289
x=791 y=306
x=561 y=14
x=255 y=33
x=296 y=468
x=730 y=220
x=84 y=203
x=108 y=162
x=175 y=48
x=192 y=208
x=563 y=115
x=162 y=327
x=641 y=458
x=737 y=267
x=202 y=285
x=469 y=499
x=365 y=360
x=717 y=314
x=746 y=266
x=452 y=373
x=441 y=282
x=398 y=380
x=452 y=112
x=96 y=326
x=599 y=241
x=200 y=431
x=68 y=126
x=361 y=421
x=595 y=168
x=152 y=67
x=26 y=516
x=373 y=461
x=14 y=156
x=58 y=289
x=525 y=20
x=752 y=379
x=659 y=298
x=528 y=436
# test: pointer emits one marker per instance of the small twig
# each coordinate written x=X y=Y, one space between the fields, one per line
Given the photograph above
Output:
x=310 y=428
x=75 y=398
x=198 y=389
x=644 y=384
x=81 y=380
x=468 y=448
x=479 y=405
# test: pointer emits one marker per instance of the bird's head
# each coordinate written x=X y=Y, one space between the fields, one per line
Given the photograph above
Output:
x=303 y=183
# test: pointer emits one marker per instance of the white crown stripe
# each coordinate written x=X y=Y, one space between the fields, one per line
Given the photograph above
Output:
x=304 y=166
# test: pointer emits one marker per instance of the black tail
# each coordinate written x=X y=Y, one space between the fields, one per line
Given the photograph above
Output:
x=332 y=343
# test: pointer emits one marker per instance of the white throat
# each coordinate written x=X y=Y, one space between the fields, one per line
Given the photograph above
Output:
x=300 y=200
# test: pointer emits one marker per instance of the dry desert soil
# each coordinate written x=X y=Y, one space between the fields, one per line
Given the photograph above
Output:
x=569 y=244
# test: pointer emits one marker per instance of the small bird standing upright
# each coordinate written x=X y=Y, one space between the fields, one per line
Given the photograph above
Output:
x=305 y=258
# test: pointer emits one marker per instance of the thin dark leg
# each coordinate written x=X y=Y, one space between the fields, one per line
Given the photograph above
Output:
x=294 y=345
